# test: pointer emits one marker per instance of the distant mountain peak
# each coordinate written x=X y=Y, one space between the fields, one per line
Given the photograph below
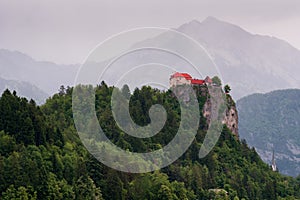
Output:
x=9 y=54
x=208 y=19
x=194 y=21
x=223 y=26
x=213 y=27
x=211 y=19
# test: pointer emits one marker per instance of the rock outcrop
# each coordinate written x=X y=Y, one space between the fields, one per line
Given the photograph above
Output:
x=230 y=117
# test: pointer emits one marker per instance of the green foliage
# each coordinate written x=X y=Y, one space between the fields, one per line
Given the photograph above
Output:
x=7 y=143
x=41 y=156
x=21 y=193
x=85 y=189
x=22 y=119
x=227 y=89
x=216 y=80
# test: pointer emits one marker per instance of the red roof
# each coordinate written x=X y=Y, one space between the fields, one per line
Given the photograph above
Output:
x=185 y=75
x=188 y=77
x=197 y=81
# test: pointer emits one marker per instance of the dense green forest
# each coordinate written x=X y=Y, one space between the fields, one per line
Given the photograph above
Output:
x=42 y=157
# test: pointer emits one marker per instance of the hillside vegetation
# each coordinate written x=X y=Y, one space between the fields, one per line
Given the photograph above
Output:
x=41 y=156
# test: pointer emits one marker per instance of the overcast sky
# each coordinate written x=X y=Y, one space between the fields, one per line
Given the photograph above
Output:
x=64 y=31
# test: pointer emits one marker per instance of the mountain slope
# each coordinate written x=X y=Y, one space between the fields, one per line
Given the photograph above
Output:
x=46 y=75
x=24 y=89
x=250 y=63
x=272 y=121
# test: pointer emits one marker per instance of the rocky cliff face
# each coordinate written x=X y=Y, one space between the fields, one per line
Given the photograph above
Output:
x=230 y=117
x=231 y=120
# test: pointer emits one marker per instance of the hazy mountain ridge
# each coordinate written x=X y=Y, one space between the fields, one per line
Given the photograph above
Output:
x=250 y=63
x=271 y=121
x=46 y=75
x=24 y=89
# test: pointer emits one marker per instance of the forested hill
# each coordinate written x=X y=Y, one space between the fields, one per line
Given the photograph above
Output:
x=41 y=156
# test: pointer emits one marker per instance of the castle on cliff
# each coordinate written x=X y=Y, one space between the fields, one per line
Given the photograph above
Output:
x=186 y=79
x=231 y=115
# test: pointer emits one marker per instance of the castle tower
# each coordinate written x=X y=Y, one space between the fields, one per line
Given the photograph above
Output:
x=274 y=168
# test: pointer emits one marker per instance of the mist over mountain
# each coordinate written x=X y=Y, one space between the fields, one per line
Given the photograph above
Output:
x=249 y=63
x=47 y=76
x=41 y=155
x=272 y=122
x=24 y=89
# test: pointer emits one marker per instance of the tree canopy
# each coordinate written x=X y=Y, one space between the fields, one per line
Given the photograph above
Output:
x=42 y=157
